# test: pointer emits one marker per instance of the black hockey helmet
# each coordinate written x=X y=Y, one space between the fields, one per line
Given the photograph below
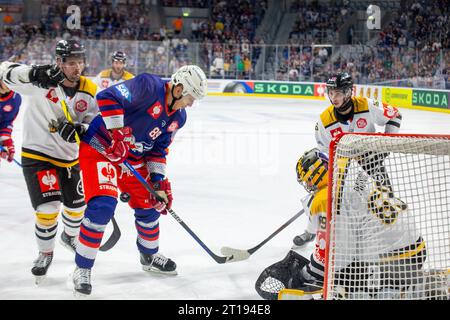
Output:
x=70 y=48
x=119 y=55
x=340 y=81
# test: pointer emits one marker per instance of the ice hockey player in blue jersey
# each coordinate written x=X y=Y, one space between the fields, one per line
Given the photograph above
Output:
x=9 y=108
x=138 y=120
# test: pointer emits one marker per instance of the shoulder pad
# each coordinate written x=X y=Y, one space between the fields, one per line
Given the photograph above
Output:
x=127 y=75
x=319 y=203
x=327 y=117
x=87 y=86
x=361 y=104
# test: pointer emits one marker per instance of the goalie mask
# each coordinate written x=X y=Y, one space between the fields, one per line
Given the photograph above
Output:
x=312 y=169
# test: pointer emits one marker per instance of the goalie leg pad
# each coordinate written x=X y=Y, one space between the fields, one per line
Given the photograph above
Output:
x=284 y=274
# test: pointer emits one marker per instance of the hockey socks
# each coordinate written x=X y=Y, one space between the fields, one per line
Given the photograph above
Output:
x=98 y=213
x=147 y=226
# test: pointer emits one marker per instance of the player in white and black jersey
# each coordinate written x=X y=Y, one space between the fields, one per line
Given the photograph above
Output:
x=391 y=249
x=49 y=150
x=352 y=114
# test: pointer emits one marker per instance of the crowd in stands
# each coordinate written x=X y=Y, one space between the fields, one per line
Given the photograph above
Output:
x=413 y=49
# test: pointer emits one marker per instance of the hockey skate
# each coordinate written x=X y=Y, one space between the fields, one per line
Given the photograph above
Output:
x=158 y=263
x=81 y=279
x=68 y=242
x=41 y=265
x=304 y=238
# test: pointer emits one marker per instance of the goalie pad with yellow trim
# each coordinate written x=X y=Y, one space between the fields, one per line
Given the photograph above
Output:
x=306 y=293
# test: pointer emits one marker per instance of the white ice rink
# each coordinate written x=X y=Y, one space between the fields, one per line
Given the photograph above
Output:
x=232 y=169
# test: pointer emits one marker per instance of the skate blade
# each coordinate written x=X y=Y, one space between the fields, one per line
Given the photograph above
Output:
x=157 y=271
x=80 y=296
x=65 y=245
x=77 y=295
x=39 y=279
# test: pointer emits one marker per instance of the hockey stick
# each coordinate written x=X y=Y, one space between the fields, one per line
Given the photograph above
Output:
x=115 y=235
x=216 y=258
x=240 y=254
x=15 y=161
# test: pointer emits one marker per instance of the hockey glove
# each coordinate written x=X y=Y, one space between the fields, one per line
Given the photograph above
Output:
x=68 y=130
x=122 y=140
x=164 y=190
x=8 y=145
x=46 y=76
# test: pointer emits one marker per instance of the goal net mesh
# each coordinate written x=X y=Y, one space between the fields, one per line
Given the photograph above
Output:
x=388 y=217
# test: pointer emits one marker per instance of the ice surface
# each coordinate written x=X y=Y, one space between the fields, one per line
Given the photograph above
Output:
x=232 y=169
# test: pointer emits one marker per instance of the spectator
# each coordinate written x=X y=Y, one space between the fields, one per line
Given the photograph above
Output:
x=177 y=25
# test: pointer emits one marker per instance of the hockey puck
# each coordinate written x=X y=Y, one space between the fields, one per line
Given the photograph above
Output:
x=125 y=197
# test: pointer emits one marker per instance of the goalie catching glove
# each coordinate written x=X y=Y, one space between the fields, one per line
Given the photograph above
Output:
x=286 y=274
x=164 y=190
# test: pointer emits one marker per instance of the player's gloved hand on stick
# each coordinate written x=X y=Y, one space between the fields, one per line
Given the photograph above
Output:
x=8 y=150
x=46 y=76
x=122 y=140
x=68 y=130
x=164 y=190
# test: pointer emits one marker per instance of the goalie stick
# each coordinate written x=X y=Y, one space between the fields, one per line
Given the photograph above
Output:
x=115 y=235
x=240 y=254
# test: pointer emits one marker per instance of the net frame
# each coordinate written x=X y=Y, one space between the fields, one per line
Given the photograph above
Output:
x=412 y=144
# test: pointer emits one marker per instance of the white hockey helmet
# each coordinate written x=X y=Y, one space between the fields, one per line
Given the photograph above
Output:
x=193 y=80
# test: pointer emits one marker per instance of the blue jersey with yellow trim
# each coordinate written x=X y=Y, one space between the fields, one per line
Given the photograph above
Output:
x=139 y=103
x=9 y=108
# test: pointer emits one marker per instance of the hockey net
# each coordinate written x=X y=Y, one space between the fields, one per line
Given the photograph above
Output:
x=388 y=217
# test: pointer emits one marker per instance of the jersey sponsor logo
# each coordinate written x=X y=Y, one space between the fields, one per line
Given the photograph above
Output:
x=361 y=123
x=80 y=189
x=105 y=83
x=335 y=132
x=81 y=106
x=389 y=111
x=173 y=126
x=51 y=95
x=106 y=173
x=155 y=110
x=7 y=108
x=123 y=90
x=48 y=180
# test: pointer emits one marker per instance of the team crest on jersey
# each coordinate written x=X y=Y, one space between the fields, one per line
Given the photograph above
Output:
x=123 y=90
x=335 y=132
x=7 y=108
x=155 y=110
x=173 y=126
x=106 y=173
x=105 y=83
x=51 y=95
x=389 y=111
x=81 y=106
x=48 y=180
x=361 y=123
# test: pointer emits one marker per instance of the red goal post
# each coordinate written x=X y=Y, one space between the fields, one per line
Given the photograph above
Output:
x=388 y=217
